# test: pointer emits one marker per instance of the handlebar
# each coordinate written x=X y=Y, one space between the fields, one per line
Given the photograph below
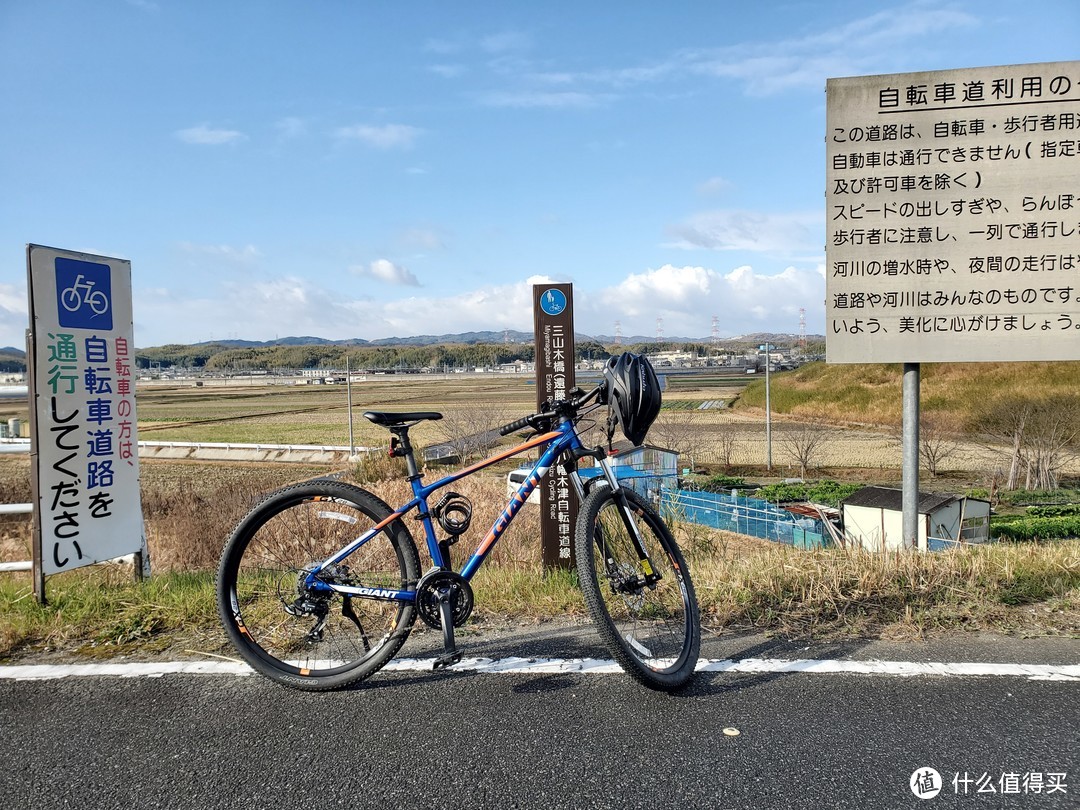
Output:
x=523 y=422
x=561 y=407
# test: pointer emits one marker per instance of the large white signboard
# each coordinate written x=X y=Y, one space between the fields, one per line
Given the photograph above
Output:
x=85 y=437
x=953 y=215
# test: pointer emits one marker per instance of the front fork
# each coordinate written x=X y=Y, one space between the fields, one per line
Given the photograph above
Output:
x=626 y=512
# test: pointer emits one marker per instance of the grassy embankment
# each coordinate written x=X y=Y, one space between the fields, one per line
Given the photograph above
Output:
x=871 y=394
x=741 y=583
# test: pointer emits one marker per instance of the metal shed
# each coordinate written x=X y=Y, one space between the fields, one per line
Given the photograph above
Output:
x=873 y=517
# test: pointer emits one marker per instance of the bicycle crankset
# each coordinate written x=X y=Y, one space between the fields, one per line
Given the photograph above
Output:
x=437 y=587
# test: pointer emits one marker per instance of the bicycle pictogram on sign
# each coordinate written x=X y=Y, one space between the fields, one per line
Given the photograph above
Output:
x=553 y=301
x=83 y=294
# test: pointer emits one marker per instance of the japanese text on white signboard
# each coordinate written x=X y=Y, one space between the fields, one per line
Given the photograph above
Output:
x=86 y=440
x=953 y=215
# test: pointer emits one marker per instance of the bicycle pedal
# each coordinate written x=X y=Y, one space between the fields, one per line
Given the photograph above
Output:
x=446 y=660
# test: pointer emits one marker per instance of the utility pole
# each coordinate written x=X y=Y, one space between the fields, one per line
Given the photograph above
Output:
x=768 y=409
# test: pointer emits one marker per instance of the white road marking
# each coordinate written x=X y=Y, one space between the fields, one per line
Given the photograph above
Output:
x=596 y=666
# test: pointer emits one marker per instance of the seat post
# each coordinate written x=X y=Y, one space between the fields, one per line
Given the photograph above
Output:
x=405 y=450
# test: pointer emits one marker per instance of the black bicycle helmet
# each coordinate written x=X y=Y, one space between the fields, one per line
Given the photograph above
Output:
x=632 y=395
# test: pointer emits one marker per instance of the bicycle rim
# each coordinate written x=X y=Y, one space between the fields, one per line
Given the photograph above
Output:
x=652 y=629
x=306 y=640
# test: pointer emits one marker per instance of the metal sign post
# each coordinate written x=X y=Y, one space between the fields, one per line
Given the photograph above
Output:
x=553 y=321
x=768 y=407
x=909 y=496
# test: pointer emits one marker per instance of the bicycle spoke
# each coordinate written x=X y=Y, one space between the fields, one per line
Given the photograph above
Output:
x=645 y=610
x=310 y=637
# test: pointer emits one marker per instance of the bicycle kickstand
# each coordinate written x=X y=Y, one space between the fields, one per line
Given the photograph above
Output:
x=451 y=654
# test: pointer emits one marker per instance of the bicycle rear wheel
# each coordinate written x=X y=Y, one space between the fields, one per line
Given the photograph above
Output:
x=651 y=627
x=305 y=639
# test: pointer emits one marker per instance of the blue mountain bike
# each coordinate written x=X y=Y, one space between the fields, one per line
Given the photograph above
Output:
x=320 y=584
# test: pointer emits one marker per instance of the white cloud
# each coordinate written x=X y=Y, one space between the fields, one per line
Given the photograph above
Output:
x=767 y=67
x=421 y=239
x=204 y=135
x=291 y=127
x=780 y=234
x=386 y=271
x=526 y=99
x=13 y=315
x=444 y=47
x=687 y=298
x=491 y=307
x=772 y=67
x=449 y=71
x=505 y=41
x=247 y=253
x=714 y=185
x=387 y=136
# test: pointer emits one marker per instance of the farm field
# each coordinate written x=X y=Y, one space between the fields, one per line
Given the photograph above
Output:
x=319 y=415
x=191 y=507
x=249 y=411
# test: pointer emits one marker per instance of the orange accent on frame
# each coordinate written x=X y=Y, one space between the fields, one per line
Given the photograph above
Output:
x=513 y=451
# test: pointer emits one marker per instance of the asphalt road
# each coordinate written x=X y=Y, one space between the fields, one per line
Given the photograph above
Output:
x=469 y=740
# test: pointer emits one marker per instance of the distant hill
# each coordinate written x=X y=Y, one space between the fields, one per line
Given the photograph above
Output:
x=781 y=338
x=305 y=340
x=511 y=336
x=13 y=359
x=505 y=336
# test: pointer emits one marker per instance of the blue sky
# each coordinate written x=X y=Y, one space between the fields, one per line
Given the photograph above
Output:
x=354 y=169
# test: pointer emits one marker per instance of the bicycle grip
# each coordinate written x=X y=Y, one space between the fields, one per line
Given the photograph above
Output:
x=513 y=427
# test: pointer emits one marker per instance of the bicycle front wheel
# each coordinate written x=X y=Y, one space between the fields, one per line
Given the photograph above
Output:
x=646 y=612
x=298 y=636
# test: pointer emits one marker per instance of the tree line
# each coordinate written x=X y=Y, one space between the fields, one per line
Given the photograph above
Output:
x=224 y=358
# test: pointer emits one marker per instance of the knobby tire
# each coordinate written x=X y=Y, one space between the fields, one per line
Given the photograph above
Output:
x=260 y=579
x=653 y=630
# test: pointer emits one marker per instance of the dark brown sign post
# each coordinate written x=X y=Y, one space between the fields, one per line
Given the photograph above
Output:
x=553 y=319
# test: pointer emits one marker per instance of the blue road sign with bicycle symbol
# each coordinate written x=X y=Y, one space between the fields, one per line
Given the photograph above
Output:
x=553 y=301
x=83 y=294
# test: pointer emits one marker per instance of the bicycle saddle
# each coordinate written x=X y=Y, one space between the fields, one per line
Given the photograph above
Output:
x=389 y=419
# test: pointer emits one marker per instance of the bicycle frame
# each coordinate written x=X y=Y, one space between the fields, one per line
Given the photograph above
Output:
x=560 y=438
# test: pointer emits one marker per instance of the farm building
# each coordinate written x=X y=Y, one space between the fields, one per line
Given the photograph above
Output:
x=873 y=518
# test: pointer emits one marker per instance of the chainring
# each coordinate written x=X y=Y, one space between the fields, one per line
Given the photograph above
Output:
x=438 y=586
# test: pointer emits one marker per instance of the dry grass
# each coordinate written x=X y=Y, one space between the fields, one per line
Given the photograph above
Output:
x=747 y=583
x=871 y=394
x=742 y=583
x=318 y=414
